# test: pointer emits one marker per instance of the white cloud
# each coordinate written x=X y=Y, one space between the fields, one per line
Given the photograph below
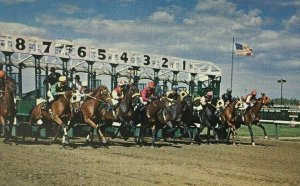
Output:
x=16 y=1
x=69 y=8
x=162 y=16
x=293 y=23
x=21 y=29
x=189 y=21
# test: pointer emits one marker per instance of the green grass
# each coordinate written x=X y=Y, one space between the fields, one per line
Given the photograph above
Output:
x=283 y=131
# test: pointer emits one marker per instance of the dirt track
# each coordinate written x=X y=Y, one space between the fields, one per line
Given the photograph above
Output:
x=269 y=163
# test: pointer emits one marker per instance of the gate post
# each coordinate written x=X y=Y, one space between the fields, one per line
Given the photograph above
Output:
x=65 y=66
x=174 y=81
x=192 y=83
x=114 y=76
x=38 y=73
x=156 y=78
x=90 y=73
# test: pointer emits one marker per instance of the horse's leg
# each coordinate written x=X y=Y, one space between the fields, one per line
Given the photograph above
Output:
x=251 y=134
x=97 y=127
x=264 y=130
x=65 y=136
x=57 y=133
x=153 y=129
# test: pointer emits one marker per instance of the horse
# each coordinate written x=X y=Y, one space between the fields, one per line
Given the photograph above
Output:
x=63 y=109
x=252 y=116
x=160 y=113
x=187 y=114
x=204 y=118
x=122 y=113
x=90 y=108
x=7 y=106
x=227 y=116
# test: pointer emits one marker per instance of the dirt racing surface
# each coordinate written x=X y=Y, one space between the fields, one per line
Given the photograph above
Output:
x=270 y=162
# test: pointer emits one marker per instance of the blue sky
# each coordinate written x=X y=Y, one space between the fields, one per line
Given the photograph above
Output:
x=201 y=30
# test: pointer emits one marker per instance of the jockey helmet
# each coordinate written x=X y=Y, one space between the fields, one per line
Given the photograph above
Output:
x=121 y=83
x=209 y=93
x=229 y=90
x=253 y=92
x=2 y=73
x=52 y=69
x=175 y=87
x=62 y=79
x=151 y=84
x=84 y=84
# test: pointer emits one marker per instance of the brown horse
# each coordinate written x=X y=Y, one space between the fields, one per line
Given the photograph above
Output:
x=90 y=108
x=123 y=112
x=252 y=116
x=63 y=108
x=227 y=117
x=7 y=106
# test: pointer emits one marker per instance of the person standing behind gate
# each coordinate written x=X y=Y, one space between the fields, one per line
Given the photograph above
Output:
x=53 y=77
x=77 y=83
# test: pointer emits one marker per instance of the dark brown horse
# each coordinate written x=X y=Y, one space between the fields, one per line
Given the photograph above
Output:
x=90 y=108
x=252 y=116
x=161 y=113
x=63 y=108
x=7 y=106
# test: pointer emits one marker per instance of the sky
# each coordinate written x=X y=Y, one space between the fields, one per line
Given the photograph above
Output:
x=193 y=29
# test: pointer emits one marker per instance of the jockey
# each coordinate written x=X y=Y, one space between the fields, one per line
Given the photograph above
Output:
x=148 y=92
x=118 y=92
x=173 y=94
x=208 y=97
x=2 y=76
x=58 y=88
x=208 y=106
x=227 y=97
x=250 y=100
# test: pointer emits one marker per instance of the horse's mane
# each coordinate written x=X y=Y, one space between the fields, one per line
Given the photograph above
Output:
x=97 y=90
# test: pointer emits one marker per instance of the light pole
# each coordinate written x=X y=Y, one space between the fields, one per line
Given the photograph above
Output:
x=281 y=81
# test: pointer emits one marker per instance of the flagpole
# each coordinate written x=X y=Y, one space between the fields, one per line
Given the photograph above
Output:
x=232 y=63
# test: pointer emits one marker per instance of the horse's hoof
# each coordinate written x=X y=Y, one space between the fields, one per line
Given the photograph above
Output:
x=104 y=141
x=253 y=144
x=266 y=137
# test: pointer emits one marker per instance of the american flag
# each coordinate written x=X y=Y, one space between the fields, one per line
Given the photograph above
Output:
x=243 y=50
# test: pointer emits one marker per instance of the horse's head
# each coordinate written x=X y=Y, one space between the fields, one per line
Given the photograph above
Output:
x=74 y=97
x=7 y=85
x=265 y=100
x=239 y=103
x=197 y=103
x=135 y=99
x=188 y=103
x=102 y=93
x=75 y=101
x=220 y=104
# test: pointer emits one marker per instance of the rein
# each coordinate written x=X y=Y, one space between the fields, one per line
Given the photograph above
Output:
x=98 y=99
